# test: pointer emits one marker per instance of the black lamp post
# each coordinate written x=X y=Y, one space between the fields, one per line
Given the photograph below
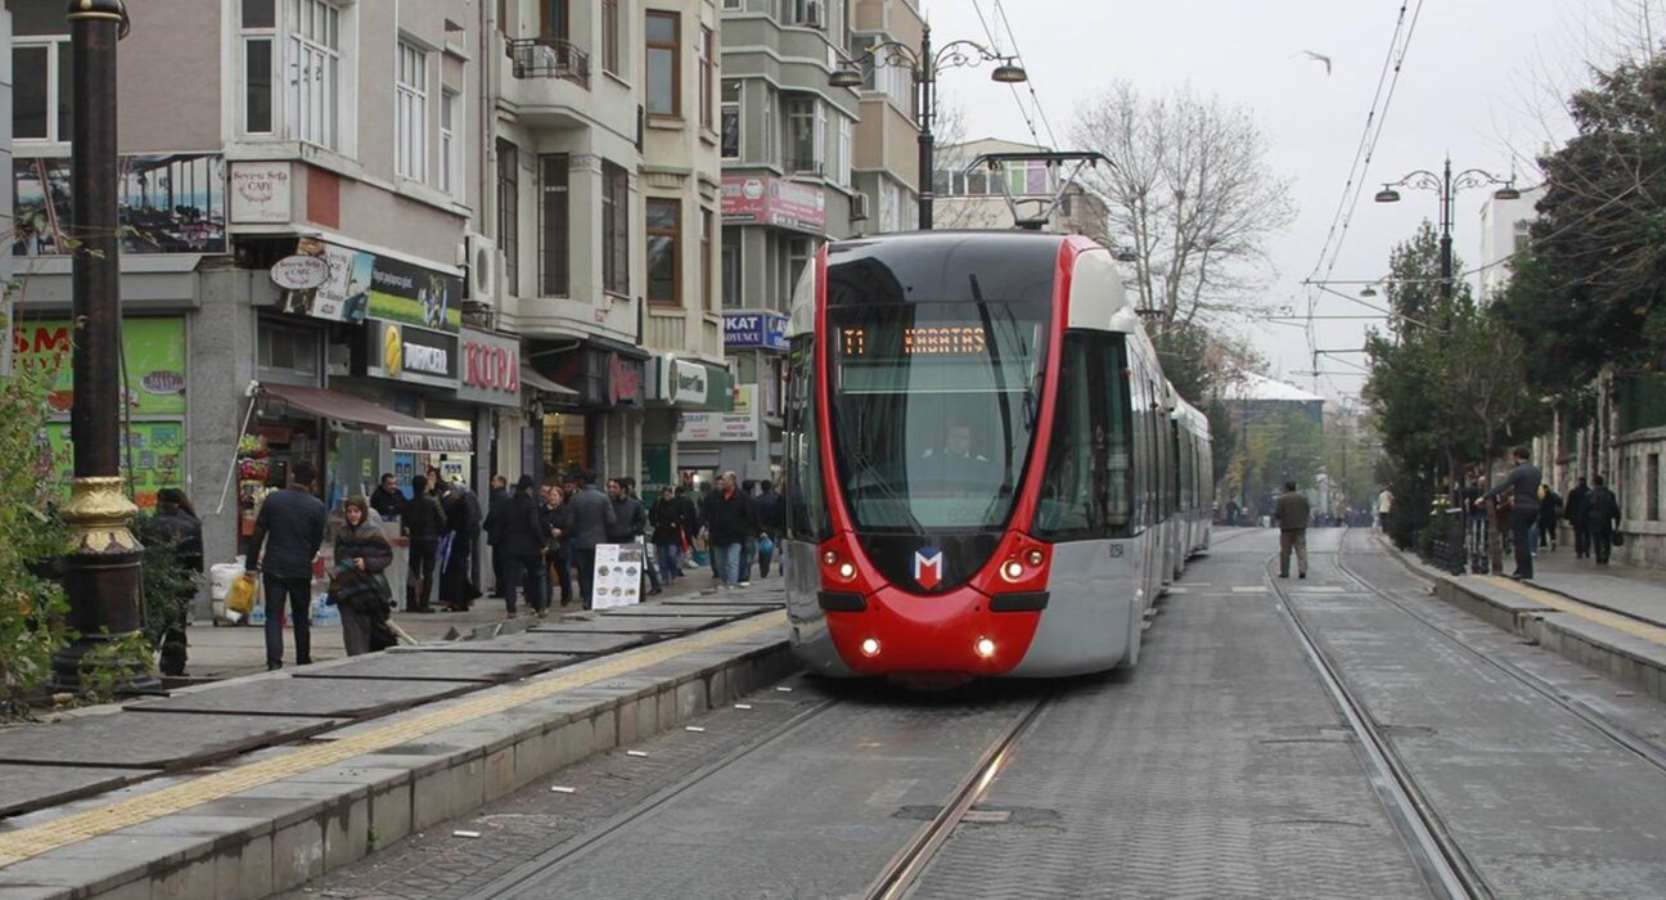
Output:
x=101 y=574
x=1447 y=185
x=925 y=65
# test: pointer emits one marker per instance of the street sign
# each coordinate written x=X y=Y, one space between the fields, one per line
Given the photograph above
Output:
x=300 y=273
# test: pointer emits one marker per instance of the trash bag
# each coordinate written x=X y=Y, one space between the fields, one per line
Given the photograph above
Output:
x=241 y=598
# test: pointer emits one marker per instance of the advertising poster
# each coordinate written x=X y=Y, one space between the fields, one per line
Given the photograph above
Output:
x=365 y=285
x=155 y=352
x=172 y=203
x=740 y=425
x=618 y=575
x=157 y=450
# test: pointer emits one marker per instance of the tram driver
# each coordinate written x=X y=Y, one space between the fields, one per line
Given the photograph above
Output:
x=957 y=445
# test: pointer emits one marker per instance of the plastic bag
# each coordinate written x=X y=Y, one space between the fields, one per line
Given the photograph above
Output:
x=240 y=598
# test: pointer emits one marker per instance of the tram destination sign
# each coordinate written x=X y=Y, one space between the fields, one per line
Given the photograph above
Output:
x=923 y=340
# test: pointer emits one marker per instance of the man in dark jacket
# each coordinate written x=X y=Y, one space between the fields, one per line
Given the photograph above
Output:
x=708 y=502
x=1292 y=512
x=1550 y=510
x=630 y=522
x=522 y=535
x=667 y=519
x=1579 y=500
x=388 y=502
x=591 y=516
x=1522 y=487
x=462 y=524
x=729 y=521
x=1602 y=517
x=289 y=530
x=178 y=521
x=424 y=523
x=497 y=510
x=766 y=508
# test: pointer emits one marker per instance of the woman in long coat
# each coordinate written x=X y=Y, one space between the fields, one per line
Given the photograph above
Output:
x=358 y=587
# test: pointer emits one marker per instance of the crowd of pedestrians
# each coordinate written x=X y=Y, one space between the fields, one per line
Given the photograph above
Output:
x=1528 y=511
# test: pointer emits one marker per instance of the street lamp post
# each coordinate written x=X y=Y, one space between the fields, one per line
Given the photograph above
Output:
x=925 y=65
x=101 y=574
x=1448 y=185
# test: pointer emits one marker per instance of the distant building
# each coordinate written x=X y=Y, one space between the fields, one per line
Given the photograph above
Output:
x=1504 y=232
x=976 y=197
x=1254 y=397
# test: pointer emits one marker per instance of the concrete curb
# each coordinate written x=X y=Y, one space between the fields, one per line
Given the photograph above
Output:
x=280 y=835
x=1630 y=660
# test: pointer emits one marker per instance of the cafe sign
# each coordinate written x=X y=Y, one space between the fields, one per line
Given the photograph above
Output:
x=491 y=369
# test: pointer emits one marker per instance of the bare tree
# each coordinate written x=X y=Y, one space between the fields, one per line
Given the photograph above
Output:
x=1190 y=193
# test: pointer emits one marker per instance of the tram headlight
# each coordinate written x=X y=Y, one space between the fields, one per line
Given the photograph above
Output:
x=1036 y=558
x=870 y=647
x=847 y=571
x=1012 y=570
x=984 y=647
x=830 y=558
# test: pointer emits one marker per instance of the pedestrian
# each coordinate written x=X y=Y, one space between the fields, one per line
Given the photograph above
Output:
x=558 y=565
x=667 y=519
x=749 y=549
x=691 y=523
x=650 y=571
x=521 y=540
x=178 y=521
x=497 y=508
x=591 y=517
x=462 y=522
x=1578 y=505
x=1602 y=519
x=1550 y=511
x=708 y=502
x=359 y=587
x=424 y=524
x=629 y=519
x=766 y=508
x=289 y=529
x=1521 y=486
x=1292 y=511
x=729 y=522
x=388 y=500
x=1385 y=506
x=1232 y=513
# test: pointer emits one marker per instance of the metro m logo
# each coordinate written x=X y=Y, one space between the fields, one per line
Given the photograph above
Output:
x=928 y=567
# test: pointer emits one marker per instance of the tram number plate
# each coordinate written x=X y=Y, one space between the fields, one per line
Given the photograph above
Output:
x=1116 y=551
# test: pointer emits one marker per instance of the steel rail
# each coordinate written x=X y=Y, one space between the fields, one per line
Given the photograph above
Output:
x=899 y=873
x=1437 y=855
x=1644 y=748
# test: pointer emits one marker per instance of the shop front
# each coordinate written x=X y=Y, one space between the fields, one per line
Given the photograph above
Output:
x=677 y=388
x=490 y=381
x=709 y=443
x=757 y=343
x=594 y=423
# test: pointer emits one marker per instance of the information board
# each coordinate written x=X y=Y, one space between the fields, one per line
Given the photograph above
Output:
x=618 y=580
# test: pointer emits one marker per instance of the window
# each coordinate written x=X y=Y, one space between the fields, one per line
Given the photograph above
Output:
x=290 y=350
x=553 y=225
x=841 y=162
x=731 y=119
x=411 y=111
x=42 y=98
x=450 y=154
x=610 y=36
x=509 y=211
x=616 y=243
x=312 y=64
x=799 y=251
x=1651 y=492
x=708 y=74
x=802 y=12
x=664 y=78
x=770 y=155
x=555 y=23
x=707 y=232
x=803 y=117
x=1523 y=236
x=733 y=4
x=731 y=269
x=665 y=226
x=260 y=29
x=807 y=515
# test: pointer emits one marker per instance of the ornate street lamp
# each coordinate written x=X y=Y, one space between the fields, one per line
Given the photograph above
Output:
x=1447 y=186
x=924 y=64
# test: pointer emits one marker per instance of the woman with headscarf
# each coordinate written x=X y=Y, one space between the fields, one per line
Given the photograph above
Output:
x=358 y=586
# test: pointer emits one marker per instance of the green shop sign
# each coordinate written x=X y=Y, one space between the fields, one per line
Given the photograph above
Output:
x=154 y=350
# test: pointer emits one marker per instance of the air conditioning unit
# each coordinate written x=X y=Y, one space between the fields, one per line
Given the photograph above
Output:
x=812 y=14
x=858 y=207
x=482 y=266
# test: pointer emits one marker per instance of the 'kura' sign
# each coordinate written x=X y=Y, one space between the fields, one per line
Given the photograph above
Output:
x=491 y=369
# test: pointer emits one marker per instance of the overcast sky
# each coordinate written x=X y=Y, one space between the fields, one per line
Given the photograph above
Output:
x=1480 y=81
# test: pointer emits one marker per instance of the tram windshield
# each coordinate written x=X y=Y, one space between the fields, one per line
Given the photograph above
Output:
x=934 y=405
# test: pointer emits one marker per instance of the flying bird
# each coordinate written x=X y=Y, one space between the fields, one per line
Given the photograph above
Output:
x=1319 y=57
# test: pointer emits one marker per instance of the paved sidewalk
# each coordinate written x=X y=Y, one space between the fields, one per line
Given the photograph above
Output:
x=1627 y=590
x=227 y=651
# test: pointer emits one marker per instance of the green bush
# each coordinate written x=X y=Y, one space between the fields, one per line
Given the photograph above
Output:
x=32 y=604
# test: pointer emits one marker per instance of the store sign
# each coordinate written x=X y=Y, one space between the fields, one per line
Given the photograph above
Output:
x=409 y=354
x=154 y=350
x=260 y=193
x=688 y=382
x=300 y=273
x=754 y=331
x=767 y=200
x=740 y=425
x=364 y=285
x=491 y=369
x=624 y=380
x=429 y=442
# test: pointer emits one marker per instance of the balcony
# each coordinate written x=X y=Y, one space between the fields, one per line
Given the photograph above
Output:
x=806 y=166
x=550 y=58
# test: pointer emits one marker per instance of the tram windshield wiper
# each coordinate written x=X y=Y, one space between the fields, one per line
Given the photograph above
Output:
x=864 y=468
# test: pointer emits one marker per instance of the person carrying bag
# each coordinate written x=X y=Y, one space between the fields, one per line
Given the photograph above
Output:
x=358 y=585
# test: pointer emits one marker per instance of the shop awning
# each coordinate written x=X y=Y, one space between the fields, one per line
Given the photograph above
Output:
x=408 y=433
x=532 y=379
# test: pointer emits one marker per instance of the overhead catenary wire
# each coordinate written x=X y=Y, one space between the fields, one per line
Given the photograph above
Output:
x=1029 y=83
x=995 y=44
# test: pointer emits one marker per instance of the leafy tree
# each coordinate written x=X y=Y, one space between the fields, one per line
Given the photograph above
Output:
x=32 y=605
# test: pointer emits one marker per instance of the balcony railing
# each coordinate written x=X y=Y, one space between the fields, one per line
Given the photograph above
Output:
x=550 y=58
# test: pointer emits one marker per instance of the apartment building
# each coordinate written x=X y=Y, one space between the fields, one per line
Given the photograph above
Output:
x=604 y=216
x=297 y=184
x=976 y=196
x=887 y=161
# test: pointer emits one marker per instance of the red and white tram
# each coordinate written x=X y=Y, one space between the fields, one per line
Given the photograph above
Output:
x=986 y=472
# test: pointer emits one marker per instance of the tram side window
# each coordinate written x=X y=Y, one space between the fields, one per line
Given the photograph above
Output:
x=1118 y=483
x=1070 y=509
x=807 y=515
